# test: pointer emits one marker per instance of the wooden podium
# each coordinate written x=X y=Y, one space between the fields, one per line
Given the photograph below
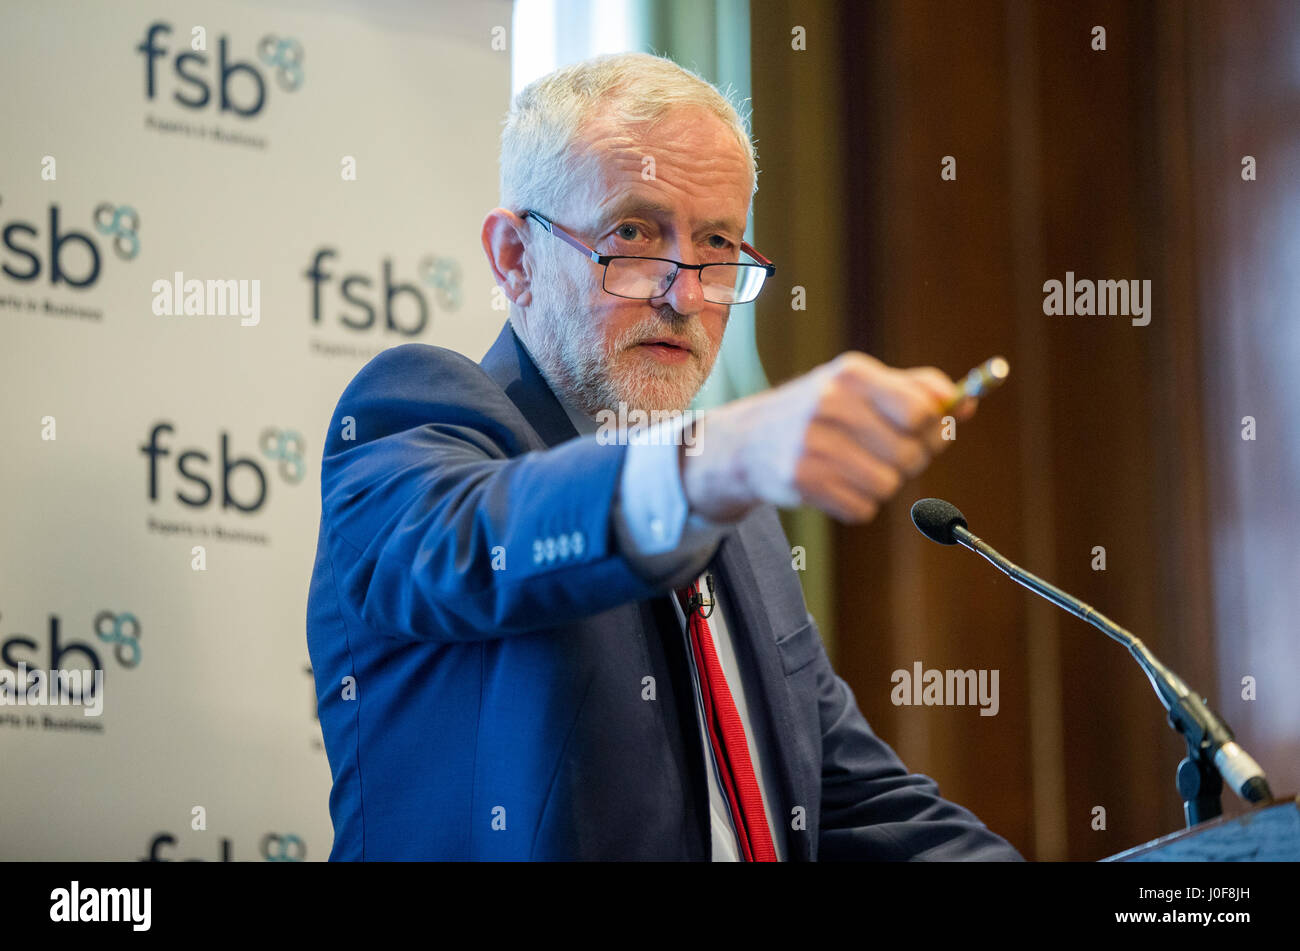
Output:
x=1268 y=833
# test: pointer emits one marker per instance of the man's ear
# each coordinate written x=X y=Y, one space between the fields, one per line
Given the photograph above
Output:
x=505 y=240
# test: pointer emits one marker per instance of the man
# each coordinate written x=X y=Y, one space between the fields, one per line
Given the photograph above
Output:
x=511 y=661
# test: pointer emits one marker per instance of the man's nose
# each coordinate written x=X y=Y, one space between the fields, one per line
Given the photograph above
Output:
x=686 y=296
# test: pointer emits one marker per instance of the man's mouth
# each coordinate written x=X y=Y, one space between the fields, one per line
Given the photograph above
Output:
x=666 y=350
x=667 y=344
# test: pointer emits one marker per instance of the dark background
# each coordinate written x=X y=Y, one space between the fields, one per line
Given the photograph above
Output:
x=1115 y=164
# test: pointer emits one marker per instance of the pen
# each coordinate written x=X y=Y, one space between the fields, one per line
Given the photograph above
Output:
x=981 y=380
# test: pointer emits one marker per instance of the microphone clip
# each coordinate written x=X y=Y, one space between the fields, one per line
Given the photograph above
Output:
x=701 y=604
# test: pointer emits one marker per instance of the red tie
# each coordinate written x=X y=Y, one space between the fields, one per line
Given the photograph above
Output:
x=727 y=736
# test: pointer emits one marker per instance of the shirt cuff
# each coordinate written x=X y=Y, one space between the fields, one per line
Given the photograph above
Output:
x=658 y=532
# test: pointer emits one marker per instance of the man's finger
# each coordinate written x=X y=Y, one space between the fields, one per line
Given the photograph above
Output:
x=869 y=430
x=850 y=463
x=943 y=387
x=909 y=406
x=823 y=487
x=937 y=382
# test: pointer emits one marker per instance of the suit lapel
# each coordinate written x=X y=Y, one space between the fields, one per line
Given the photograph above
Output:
x=511 y=366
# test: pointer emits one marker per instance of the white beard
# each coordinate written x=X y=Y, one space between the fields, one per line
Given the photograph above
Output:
x=571 y=358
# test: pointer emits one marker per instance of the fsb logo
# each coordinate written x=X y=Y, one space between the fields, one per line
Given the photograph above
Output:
x=283 y=848
x=273 y=847
x=241 y=87
x=166 y=839
x=442 y=277
x=283 y=448
x=73 y=256
x=120 y=631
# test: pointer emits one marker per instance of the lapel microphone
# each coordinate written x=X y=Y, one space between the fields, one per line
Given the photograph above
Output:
x=701 y=604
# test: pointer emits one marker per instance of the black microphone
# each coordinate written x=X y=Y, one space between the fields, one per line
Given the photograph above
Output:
x=936 y=519
x=1209 y=741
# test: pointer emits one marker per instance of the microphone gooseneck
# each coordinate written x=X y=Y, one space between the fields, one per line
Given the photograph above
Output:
x=1210 y=742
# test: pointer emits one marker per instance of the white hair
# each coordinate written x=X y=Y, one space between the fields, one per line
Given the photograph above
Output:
x=539 y=143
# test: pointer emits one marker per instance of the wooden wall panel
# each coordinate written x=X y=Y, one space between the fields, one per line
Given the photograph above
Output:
x=1245 y=86
x=1114 y=164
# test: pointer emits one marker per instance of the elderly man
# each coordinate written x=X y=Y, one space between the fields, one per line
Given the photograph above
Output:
x=537 y=638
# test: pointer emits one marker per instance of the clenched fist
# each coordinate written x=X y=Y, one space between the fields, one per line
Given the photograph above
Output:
x=842 y=438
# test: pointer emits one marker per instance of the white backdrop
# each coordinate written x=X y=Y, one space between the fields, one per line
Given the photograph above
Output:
x=208 y=698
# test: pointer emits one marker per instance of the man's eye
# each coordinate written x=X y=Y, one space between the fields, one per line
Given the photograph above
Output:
x=721 y=242
x=623 y=232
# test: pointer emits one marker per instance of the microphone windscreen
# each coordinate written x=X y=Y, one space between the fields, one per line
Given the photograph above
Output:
x=936 y=519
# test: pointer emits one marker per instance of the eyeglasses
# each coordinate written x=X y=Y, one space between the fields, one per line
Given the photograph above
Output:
x=638 y=278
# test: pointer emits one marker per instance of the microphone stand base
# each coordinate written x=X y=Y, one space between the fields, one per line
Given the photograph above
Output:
x=1200 y=787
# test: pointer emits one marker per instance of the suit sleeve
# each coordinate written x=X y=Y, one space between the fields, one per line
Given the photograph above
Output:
x=445 y=524
x=872 y=808
x=665 y=542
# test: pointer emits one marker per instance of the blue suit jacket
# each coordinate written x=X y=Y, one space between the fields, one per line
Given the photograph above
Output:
x=480 y=646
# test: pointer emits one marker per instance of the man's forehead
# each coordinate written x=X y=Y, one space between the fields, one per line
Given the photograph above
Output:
x=650 y=169
x=629 y=202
